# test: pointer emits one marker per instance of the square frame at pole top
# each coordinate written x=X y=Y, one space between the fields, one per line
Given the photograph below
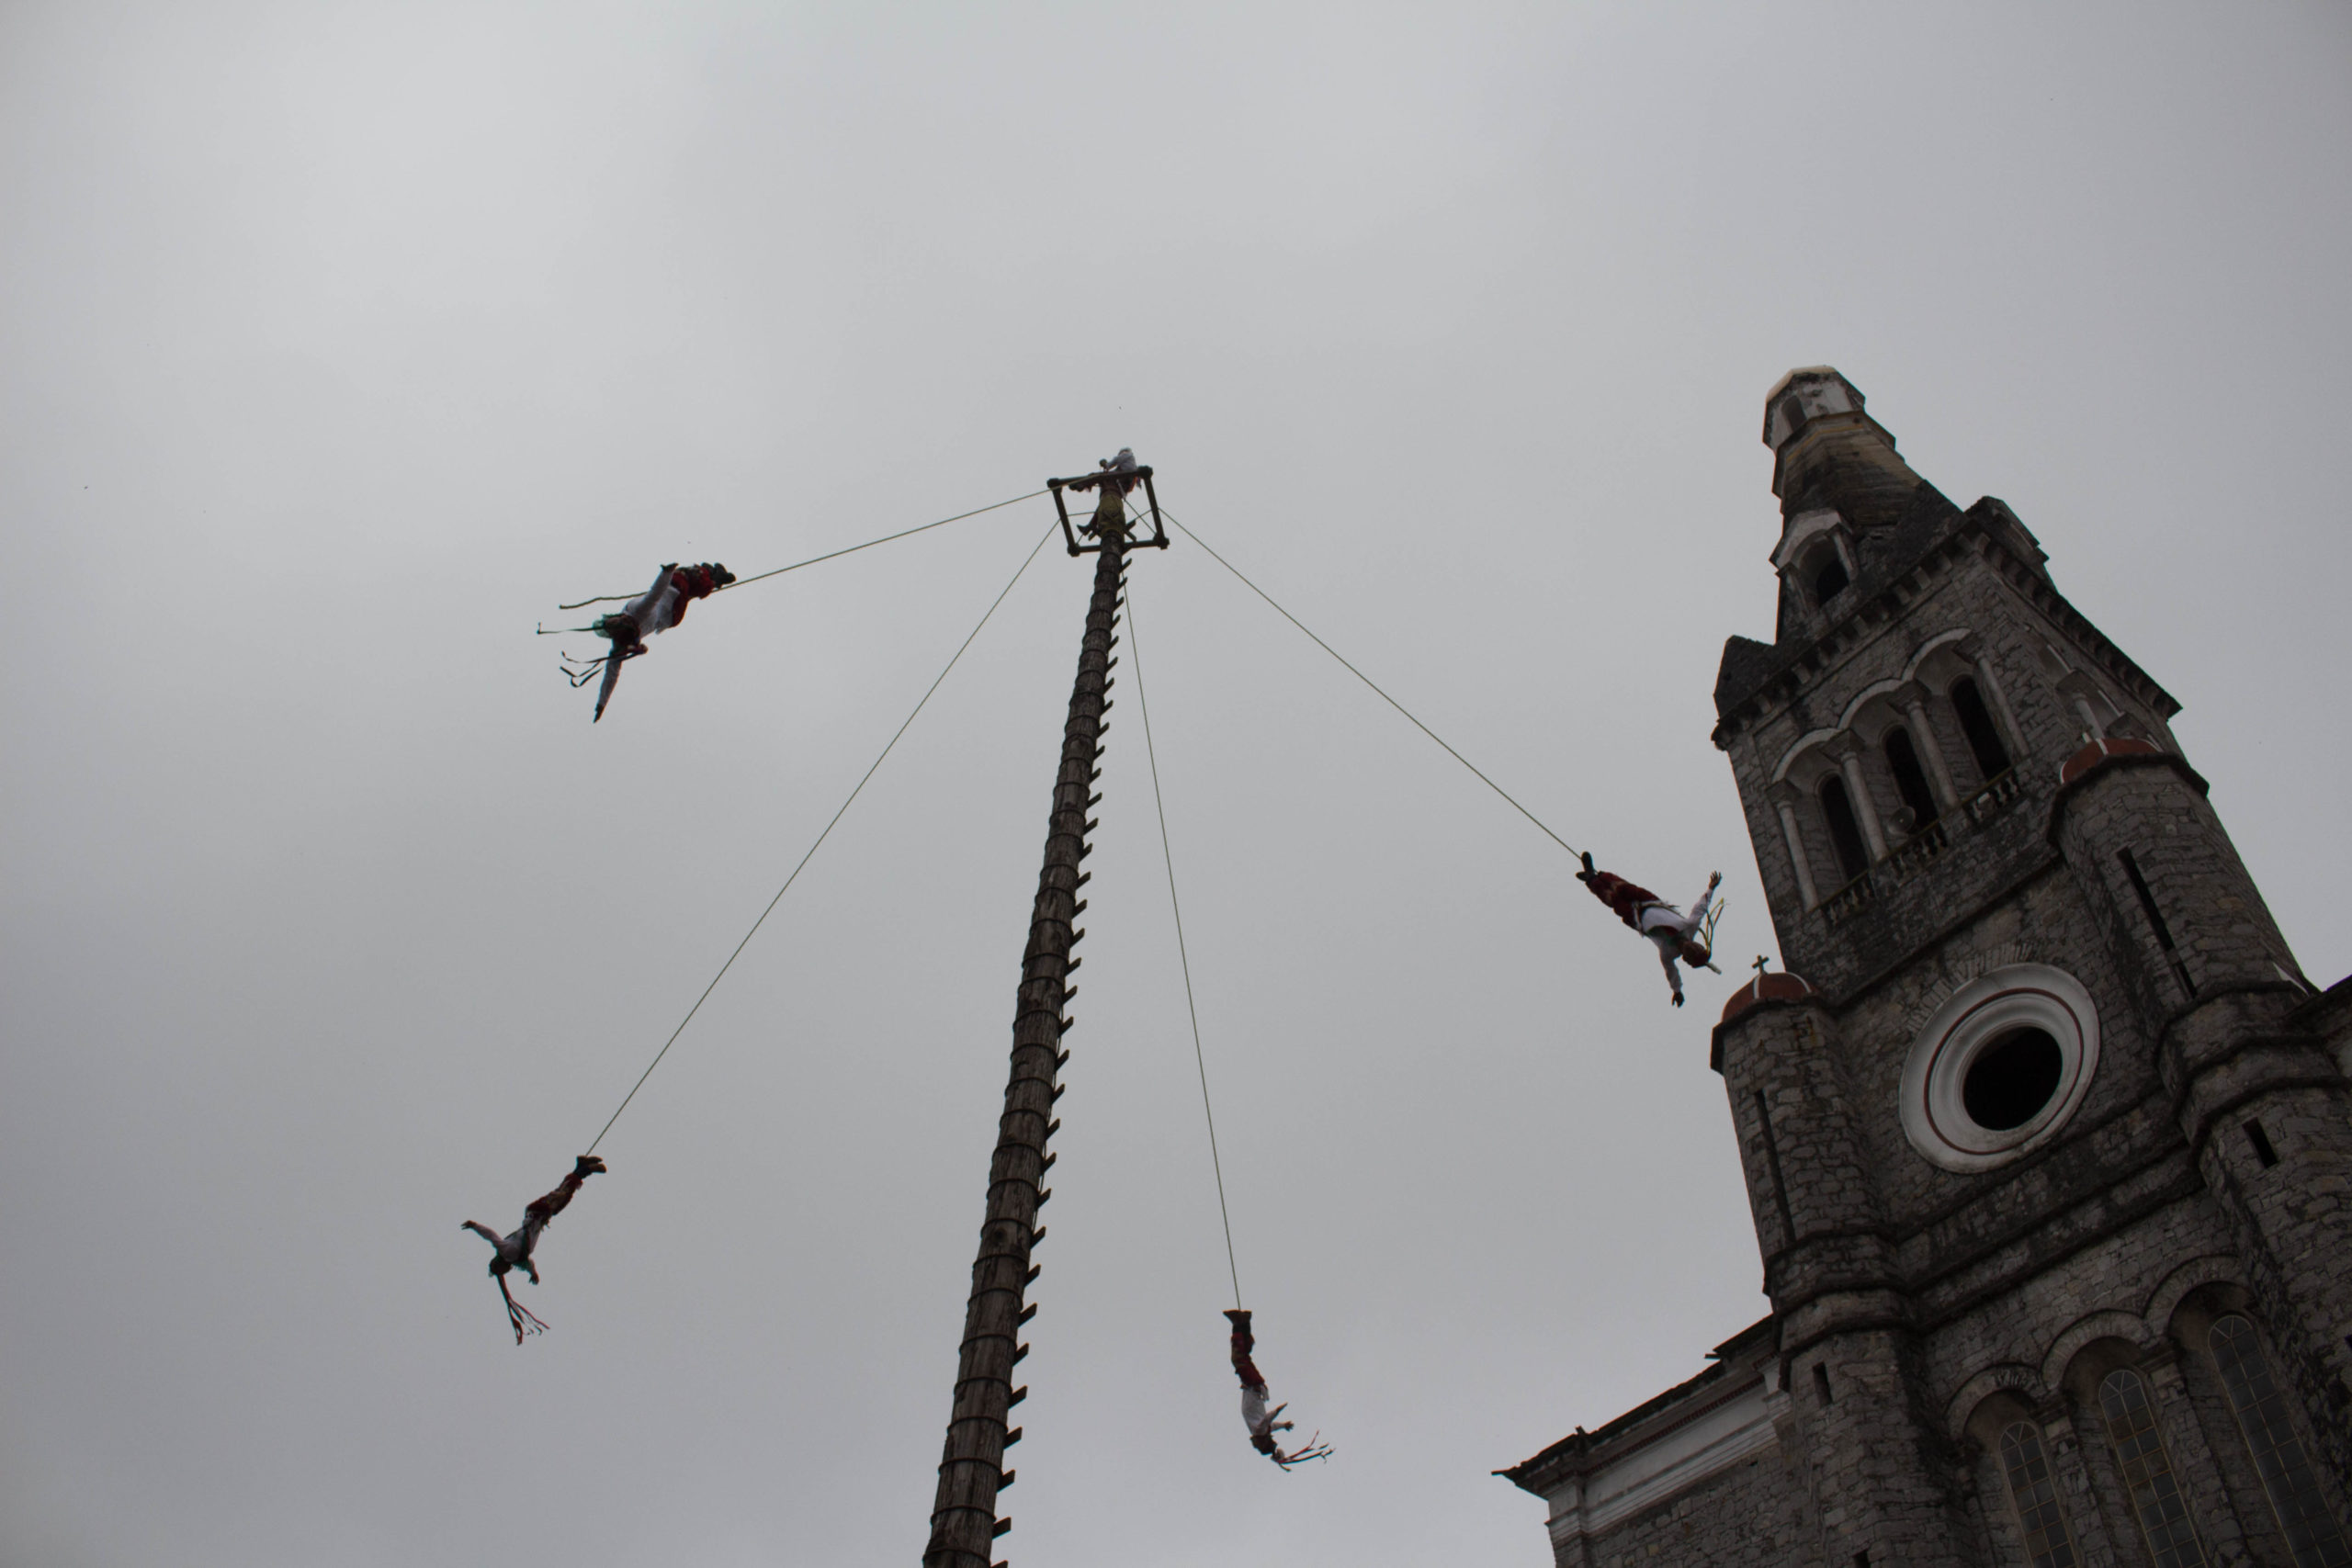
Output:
x=1158 y=540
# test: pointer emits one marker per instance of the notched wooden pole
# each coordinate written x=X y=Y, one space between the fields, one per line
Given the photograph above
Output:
x=964 y=1522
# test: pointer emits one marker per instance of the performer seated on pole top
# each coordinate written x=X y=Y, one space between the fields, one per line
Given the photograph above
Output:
x=1687 y=937
x=1117 y=478
x=512 y=1250
x=657 y=609
x=1263 y=1422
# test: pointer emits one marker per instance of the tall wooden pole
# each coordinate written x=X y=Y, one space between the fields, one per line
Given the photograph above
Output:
x=964 y=1522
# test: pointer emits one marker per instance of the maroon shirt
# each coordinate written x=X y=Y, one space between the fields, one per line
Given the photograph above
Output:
x=1243 y=1367
x=692 y=582
x=1623 y=896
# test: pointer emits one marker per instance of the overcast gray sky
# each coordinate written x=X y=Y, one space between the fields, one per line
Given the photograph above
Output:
x=338 y=344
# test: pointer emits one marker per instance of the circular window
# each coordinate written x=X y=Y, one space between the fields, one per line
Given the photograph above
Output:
x=2000 y=1066
x=2011 y=1079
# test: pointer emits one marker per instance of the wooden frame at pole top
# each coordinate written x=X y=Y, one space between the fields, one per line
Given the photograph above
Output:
x=1158 y=540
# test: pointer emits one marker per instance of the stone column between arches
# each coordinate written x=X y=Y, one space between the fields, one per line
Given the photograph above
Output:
x=1797 y=857
x=1923 y=736
x=1858 y=794
x=1990 y=685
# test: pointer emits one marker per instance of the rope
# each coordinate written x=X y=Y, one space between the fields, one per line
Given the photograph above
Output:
x=1134 y=652
x=812 y=560
x=1368 y=681
x=821 y=837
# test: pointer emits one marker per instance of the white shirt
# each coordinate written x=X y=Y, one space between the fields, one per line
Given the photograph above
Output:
x=656 y=609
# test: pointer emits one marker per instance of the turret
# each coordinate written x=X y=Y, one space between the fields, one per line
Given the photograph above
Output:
x=1846 y=1353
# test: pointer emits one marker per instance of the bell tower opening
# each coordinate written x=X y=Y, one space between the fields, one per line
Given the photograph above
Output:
x=1828 y=575
x=1976 y=724
x=1845 y=832
x=1791 y=414
x=1910 y=779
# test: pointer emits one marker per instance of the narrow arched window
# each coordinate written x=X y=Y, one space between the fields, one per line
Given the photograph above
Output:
x=1828 y=574
x=1977 y=723
x=1910 y=782
x=2140 y=1454
x=2033 y=1492
x=1792 y=417
x=2313 y=1533
x=1845 y=833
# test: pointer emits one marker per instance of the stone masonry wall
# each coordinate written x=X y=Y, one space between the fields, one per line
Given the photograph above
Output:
x=2044 y=920
x=1885 y=1477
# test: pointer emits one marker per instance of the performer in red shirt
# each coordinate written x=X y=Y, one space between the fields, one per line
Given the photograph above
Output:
x=1264 y=1423
x=513 y=1251
x=657 y=609
x=1676 y=934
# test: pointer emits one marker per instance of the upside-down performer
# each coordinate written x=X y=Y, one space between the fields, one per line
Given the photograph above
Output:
x=1676 y=934
x=512 y=1250
x=1264 y=1423
x=657 y=609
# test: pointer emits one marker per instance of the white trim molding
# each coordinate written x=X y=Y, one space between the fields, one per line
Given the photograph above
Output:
x=1700 y=1444
x=1802 y=530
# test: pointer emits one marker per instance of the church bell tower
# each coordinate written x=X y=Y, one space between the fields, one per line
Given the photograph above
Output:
x=2047 y=1139
x=2044 y=1097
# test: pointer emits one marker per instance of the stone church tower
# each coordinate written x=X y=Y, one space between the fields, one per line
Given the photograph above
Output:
x=2047 y=1140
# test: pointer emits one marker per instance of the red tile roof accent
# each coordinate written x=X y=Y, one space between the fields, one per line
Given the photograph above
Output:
x=1765 y=989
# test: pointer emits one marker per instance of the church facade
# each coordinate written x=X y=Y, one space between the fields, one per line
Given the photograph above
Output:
x=2047 y=1140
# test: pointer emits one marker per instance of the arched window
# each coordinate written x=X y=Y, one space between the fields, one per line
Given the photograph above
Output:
x=2033 y=1492
x=1910 y=783
x=1977 y=723
x=1845 y=833
x=1792 y=416
x=1826 y=571
x=2312 y=1532
x=2140 y=1454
